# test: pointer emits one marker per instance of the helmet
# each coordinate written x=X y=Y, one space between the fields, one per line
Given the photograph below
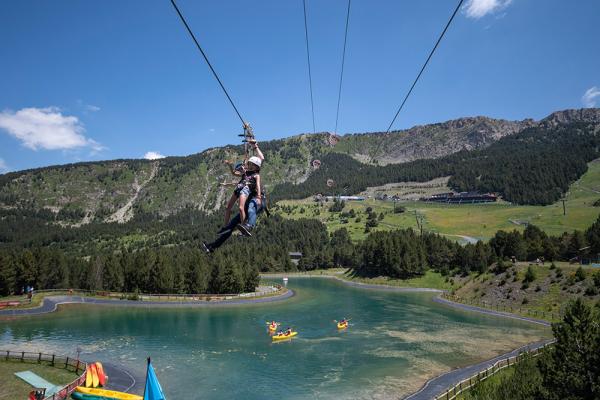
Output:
x=255 y=160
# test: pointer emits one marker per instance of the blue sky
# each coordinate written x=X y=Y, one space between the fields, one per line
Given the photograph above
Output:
x=83 y=80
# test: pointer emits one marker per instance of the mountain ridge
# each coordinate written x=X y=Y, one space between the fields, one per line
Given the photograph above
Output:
x=96 y=191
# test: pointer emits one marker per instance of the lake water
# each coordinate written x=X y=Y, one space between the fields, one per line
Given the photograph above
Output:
x=396 y=341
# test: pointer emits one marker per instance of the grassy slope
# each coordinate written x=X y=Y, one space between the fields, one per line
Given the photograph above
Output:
x=478 y=221
x=12 y=387
x=489 y=383
x=548 y=292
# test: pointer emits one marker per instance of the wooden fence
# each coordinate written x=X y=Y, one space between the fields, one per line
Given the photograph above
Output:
x=148 y=297
x=54 y=361
x=548 y=315
x=454 y=391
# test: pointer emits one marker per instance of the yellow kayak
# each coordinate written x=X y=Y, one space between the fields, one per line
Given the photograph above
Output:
x=342 y=325
x=108 y=393
x=278 y=338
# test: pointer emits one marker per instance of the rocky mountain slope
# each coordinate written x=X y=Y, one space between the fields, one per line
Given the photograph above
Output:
x=115 y=191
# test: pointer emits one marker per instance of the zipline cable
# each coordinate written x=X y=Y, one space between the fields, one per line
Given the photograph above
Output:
x=374 y=154
x=337 y=114
x=312 y=104
x=425 y=65
x=208 y=62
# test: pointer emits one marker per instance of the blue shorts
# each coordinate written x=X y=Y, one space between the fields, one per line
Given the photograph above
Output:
x=245 y=191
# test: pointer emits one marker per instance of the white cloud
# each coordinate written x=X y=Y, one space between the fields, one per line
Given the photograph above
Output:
x=153 y=155
x=479 y=8
x=589 y=97
x=87 y=107
x=3 y=166
x=46 y=128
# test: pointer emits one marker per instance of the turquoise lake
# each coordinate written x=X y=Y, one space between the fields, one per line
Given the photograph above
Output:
x=396 y=341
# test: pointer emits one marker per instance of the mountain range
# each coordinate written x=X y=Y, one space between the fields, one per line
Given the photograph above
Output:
x=116 y=190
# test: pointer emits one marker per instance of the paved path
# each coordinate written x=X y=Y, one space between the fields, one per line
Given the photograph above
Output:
x=354 y=284
x=441 y=383
x=51 y=303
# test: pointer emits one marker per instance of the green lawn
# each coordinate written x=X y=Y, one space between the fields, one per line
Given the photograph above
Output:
x=480 y=221
x=12 y=388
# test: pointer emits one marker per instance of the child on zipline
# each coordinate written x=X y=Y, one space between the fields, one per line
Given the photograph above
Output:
x=248 y=186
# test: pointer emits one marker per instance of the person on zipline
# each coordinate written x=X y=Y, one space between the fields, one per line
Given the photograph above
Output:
x=250 y=178
x=251 y=201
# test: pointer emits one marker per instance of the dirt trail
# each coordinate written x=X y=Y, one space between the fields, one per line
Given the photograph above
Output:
x=125 y=213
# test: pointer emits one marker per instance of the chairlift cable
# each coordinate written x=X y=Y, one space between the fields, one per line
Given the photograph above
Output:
x=337 y=114
x=419 y=75
x=424 y=65
x=312 y=104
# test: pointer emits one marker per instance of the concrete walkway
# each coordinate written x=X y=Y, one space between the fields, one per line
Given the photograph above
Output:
x=51 y=303
x=440 y=384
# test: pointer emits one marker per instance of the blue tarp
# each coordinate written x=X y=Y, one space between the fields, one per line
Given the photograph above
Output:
x=153 y=391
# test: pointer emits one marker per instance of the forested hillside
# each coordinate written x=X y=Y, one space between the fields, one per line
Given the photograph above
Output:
x=116 y=191
x=534 y=166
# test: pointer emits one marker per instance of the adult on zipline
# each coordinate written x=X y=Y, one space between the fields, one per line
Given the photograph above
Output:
x=254 y=205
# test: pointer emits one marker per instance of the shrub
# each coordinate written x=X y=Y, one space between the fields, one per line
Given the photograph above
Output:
x=525 y=301
x=500 y=267
x=558 y=273
x=529 y=275
x=591 y=291
x=580 y=274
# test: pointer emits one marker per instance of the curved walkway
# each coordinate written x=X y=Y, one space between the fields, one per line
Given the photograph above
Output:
x=354 y=284
x=481 y=310
x=51 y=303
x=439 y=384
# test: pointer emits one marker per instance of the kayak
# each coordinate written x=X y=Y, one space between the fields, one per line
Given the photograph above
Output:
x=342 y=325
x=95 y=378
x=83 y=396
x=278 y=338
x=109 y=394
x=101 y=375
x=88 y=376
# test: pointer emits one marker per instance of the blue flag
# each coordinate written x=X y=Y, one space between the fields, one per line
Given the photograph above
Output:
x=153 y=391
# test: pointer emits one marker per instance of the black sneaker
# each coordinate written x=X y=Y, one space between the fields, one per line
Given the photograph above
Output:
x=245 y=229
x=206 y=248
